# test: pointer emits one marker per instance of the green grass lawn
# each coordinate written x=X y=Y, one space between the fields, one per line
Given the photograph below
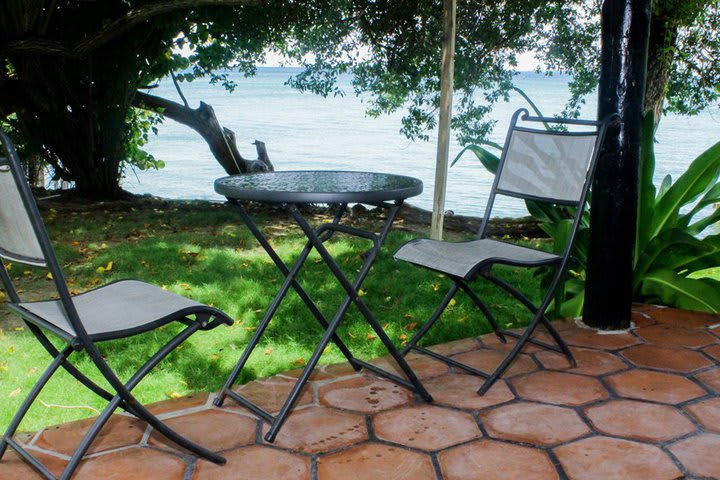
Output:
x=203 y=251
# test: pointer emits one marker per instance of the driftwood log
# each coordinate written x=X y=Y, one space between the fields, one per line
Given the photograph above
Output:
x=221 y=140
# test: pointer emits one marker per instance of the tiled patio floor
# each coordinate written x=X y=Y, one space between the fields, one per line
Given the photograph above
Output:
x=640 y=405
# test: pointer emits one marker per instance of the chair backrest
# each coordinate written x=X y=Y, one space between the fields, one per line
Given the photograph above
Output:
x=548 y=165
x=23 y=238
x=18 y=239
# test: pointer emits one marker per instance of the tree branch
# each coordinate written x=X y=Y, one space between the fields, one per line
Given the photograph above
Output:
x=203 y=120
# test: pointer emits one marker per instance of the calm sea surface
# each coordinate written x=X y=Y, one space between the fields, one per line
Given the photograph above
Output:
x=305 y=131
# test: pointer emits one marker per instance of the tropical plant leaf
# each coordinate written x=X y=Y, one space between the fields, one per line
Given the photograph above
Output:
x=698 y=227
x=678 y=251
x=532 y=104
x=646 y=198
x=489 y=160
x=669 y=288
x=700 y=176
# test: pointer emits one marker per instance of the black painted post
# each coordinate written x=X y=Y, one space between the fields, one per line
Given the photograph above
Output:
x=608 y=294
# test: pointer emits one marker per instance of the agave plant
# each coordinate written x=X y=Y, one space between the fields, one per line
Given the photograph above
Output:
x=672 y=247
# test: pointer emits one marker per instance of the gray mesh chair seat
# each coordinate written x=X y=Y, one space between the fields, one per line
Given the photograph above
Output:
x=464 y=259
x=116 y=310
x=538 y=164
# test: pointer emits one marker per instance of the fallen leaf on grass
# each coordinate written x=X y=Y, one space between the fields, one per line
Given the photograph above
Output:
x=174 y=395
x=15 y=392
x=299 y=362
x=371 y=337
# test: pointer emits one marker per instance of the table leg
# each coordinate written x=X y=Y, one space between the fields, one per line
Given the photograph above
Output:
x=352 y=289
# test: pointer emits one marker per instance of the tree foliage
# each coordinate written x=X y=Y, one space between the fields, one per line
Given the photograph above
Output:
x=70 y=69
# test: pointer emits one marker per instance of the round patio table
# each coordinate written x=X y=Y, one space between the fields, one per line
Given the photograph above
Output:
x=319 y=186
x=290 y=188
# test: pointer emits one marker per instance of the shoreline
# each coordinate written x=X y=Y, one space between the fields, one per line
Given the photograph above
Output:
x=413 y=217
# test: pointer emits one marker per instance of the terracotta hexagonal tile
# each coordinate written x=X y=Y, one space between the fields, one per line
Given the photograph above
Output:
x=639 y=420
x=497 y=460
x=559 y=388
x=585 y=337
x=183 y=403
x=373 y=461
x=600 y=458
x=654 y=386
x=589 y=362
x=666 y=357
x=683 y=318
x=125 y=465
x=13 y=466
x=641 y=319
x=319 y=374
x=423 y=366
x=713 y=351
x=119 y=431
x=710 y=379
x=213 y=429
x=487 y=361
x=707 y=413
x=319 y=429
x=270 y=394
x=534 y=423
x=672 y=335
x=493 y=342
x=699 y=454
x=364 y=394
x=256 y=462
x=457 y=346
x=426 y=427
x=338 y=370
x=461 y=391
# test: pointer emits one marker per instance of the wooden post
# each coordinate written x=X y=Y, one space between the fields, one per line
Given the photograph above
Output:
x=613 y=218
x=446 y=94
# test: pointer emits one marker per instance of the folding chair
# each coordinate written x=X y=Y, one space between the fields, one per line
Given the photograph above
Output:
x=537 y=164
x=116 y=310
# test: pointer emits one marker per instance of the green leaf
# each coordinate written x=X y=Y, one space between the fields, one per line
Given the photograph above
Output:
x=646 y=198
x=669 y=288
x=699 y=177
x=489 y=160
x=678 y=251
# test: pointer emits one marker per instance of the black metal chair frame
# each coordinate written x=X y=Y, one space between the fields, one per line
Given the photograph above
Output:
x=316 y=239
x=206 y=318
x=483 y=269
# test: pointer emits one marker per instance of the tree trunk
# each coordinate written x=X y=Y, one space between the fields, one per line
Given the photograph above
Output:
x=660 y=56
x=221 y=140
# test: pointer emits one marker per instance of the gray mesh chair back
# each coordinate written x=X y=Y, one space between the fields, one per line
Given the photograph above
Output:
x=18 y=240
x=538 y=164
x=550 y=166
x=117 y=310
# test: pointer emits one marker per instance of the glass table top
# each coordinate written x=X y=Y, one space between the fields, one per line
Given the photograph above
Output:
x=319 y=186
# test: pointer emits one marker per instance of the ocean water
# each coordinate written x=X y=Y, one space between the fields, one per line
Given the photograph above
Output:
x=306 y=131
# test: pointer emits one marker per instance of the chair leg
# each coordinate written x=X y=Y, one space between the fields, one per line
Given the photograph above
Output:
x=431 y=321
x=534 y=310
x=88 y=438
x=27 y=403
x=483 y=308
x=559 y=340
x=509 y=358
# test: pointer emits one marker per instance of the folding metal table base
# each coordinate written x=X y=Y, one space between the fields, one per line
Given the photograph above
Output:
x=316 y=238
